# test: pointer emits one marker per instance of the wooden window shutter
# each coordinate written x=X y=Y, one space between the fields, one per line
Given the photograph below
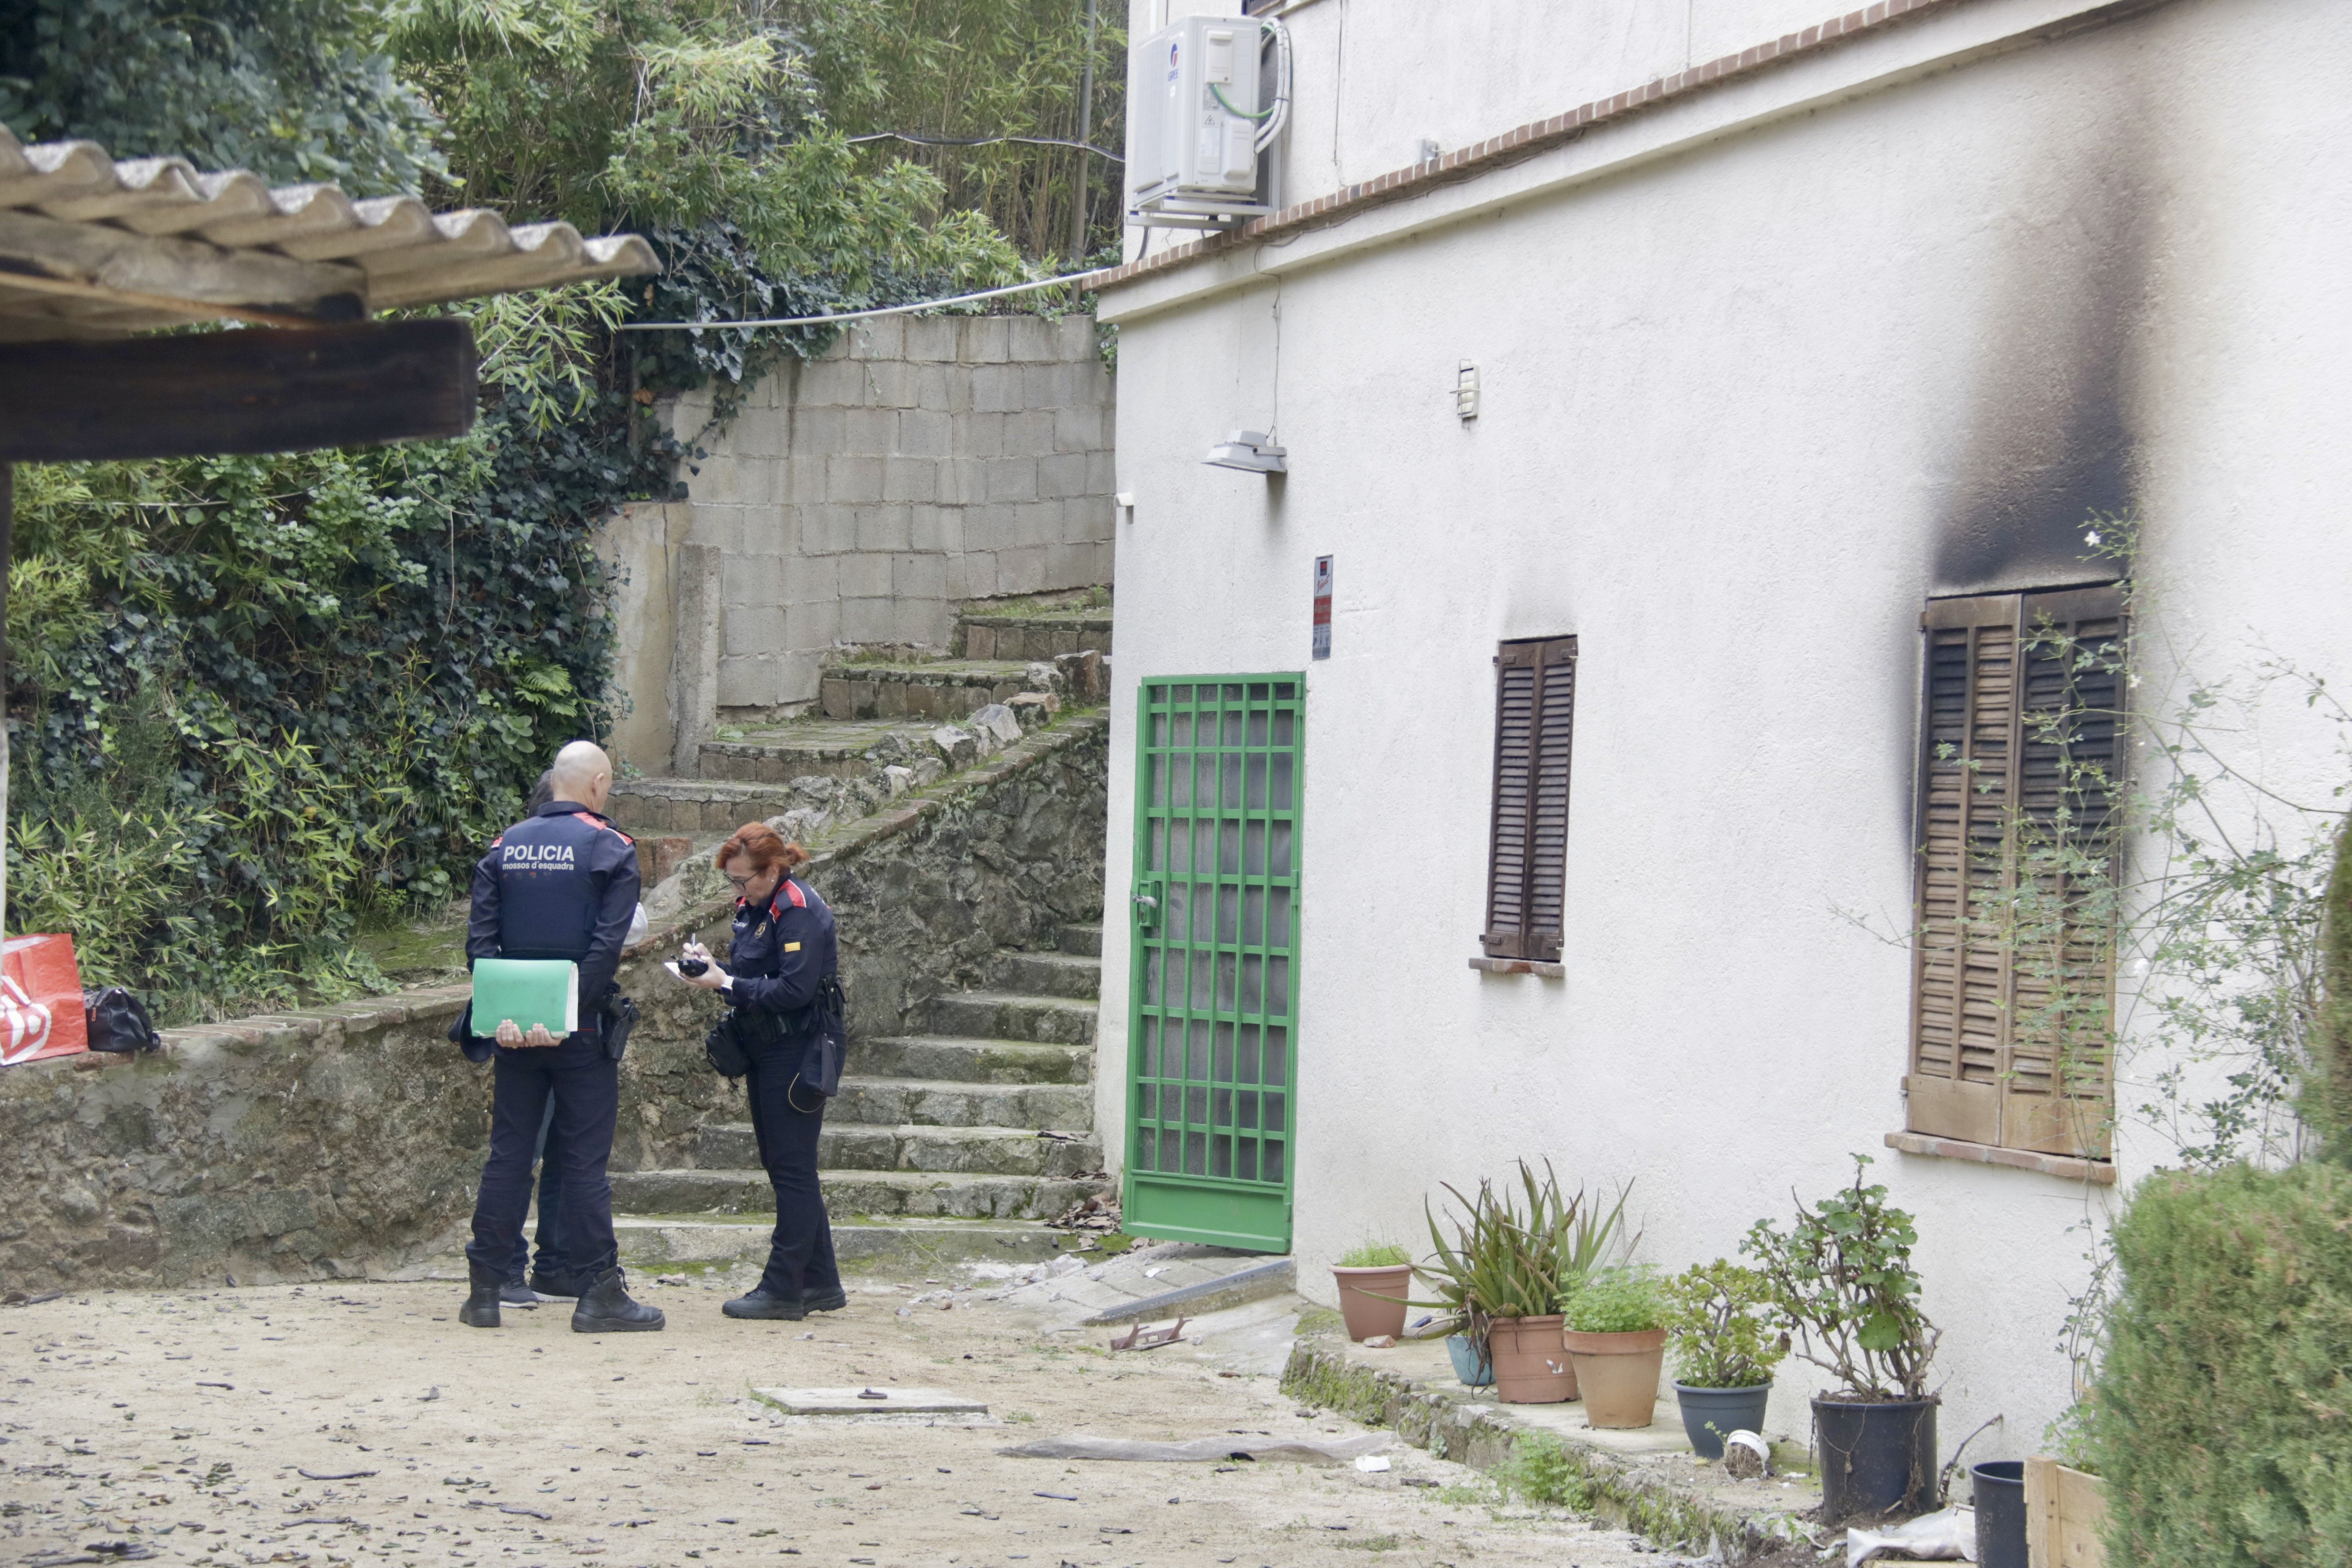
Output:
x=2014 y=967
x=1534 y=713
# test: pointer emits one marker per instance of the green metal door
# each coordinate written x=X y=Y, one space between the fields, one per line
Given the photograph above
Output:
x=1213 y=1009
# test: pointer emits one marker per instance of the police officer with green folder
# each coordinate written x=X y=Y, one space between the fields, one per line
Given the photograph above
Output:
x=560 y=884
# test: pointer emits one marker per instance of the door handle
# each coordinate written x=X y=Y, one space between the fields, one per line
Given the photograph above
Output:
x=1147 y=907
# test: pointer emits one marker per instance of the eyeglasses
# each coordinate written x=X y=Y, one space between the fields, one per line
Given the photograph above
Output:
x=740 y=883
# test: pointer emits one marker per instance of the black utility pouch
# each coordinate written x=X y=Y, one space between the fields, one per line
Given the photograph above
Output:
x=828 y=1041
x=724 y=1050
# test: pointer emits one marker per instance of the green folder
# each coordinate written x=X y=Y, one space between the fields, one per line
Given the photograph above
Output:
x=529 y=991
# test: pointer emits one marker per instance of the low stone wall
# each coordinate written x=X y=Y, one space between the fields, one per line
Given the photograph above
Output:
x=346 y=1140
x=1684 y=1509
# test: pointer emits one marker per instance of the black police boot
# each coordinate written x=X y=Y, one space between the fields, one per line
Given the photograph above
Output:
x=762 y=1303
x=515 y=1294
x=481 y=1308
x=605 y=1308
x=824 y=1298
x=556 y=1282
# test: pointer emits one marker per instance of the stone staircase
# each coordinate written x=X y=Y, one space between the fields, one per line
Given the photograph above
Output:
x=886 y=721
x=953 y=1142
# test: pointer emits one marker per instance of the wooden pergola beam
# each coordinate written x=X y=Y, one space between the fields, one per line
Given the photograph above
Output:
x=251 y=391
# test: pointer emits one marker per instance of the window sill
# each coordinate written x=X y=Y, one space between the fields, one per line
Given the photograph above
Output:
x=1519 y=967
x=2099 y=1172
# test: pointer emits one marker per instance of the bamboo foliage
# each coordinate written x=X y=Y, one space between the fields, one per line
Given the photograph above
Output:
x=965 y=68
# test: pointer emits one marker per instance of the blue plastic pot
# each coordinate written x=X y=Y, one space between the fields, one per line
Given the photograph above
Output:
x=2001 y=1513
x=1475 y=1370
x=1711 y=1414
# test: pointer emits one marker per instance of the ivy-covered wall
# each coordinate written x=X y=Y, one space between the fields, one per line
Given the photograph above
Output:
x=250 y=698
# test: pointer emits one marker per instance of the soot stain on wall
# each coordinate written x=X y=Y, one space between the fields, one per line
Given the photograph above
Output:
x=2045 y=435
x=2046 y=438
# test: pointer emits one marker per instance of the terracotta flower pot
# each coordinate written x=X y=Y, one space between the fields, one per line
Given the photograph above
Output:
x=1619 y=1374
x=1366 y=1316
x=1531 y=1366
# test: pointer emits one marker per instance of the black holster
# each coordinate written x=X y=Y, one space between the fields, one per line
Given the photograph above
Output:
x=620 y=1016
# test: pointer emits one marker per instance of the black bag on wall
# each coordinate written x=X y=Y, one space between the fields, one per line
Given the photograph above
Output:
x=119 y=1021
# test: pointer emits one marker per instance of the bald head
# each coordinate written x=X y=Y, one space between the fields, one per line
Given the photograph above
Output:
x=583 y=773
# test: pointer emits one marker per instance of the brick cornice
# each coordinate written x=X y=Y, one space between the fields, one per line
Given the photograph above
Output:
x=1525 y=141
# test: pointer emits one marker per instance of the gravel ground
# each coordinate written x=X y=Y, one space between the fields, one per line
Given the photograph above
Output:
x=352 y=1422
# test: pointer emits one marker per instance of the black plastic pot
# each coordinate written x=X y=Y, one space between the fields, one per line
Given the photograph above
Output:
x=1876 y=1458
x=1711 y=1414
x=2001 y=1513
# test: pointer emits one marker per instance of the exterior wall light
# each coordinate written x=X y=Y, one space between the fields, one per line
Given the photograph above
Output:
x=1249 y=451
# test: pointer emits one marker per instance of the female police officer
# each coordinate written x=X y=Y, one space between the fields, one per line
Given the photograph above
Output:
x=781 y=951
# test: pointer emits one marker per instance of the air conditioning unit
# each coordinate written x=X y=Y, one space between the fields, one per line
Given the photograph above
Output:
x=1197 y=127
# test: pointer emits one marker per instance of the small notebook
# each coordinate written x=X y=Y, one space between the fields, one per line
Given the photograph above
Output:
x=543 y=991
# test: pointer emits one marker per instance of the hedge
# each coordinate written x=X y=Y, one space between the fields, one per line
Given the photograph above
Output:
x=2222 y=1418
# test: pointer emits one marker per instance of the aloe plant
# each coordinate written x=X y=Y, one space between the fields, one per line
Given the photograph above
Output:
x=1505 y=1261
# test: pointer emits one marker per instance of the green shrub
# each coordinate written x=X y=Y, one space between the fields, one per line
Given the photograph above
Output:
x=1715 y=1325
x=1539 y=1471
x=1624 y=1300
x=1841 y=1281
x=2222 y=1416
x=1371 y=1254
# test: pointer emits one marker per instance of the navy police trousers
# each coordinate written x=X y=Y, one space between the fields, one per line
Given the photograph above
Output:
x=800 y=1254
x=585 y=1086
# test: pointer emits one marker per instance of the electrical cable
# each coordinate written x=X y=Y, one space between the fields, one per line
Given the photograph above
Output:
x=919 y=140
x=862 y=315
x=1219 y=94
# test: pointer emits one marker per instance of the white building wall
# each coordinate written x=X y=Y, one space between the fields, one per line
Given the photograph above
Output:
x=1746 y=407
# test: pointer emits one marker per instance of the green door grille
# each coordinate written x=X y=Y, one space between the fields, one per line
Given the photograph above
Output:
x=1212 y=1014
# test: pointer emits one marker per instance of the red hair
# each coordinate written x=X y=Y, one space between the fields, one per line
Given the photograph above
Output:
x=763 y=847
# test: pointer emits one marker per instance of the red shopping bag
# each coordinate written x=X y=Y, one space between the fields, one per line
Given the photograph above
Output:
x=40 y=999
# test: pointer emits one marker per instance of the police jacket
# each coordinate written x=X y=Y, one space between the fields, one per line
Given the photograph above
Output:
x=562 y=884
x=781 y=950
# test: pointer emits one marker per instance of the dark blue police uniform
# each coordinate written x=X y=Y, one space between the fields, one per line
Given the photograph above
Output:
x=781 y=952
x=562 y=884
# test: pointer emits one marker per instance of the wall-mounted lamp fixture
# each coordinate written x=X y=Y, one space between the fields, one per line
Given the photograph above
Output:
x=1123 y=505
x=1466 y=391
x=1249 y=451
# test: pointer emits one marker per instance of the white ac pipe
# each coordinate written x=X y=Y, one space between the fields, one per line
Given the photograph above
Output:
x=1282 y=68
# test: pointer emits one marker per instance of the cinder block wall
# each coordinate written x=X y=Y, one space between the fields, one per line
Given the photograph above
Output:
x=921 y=463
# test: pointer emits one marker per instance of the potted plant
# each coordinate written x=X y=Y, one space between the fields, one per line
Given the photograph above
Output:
x=1461 y=1321
x=1616 y=1341
x=1501 y=1280
x=1373 y=1279
x=1725 y=1351
x=1840 y=1279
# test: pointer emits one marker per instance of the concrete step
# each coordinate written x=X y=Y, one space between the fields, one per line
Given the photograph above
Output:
x=693 y=805
x=941 y=690
x=935 y=1103
x=971 y=1151
x=849 y=1195
x=970 y=1062
x=1084 y=940
x=834 y=749
x=996 y=1015
x=1047 y=975
x=657 y=1243
x=1034 y=637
